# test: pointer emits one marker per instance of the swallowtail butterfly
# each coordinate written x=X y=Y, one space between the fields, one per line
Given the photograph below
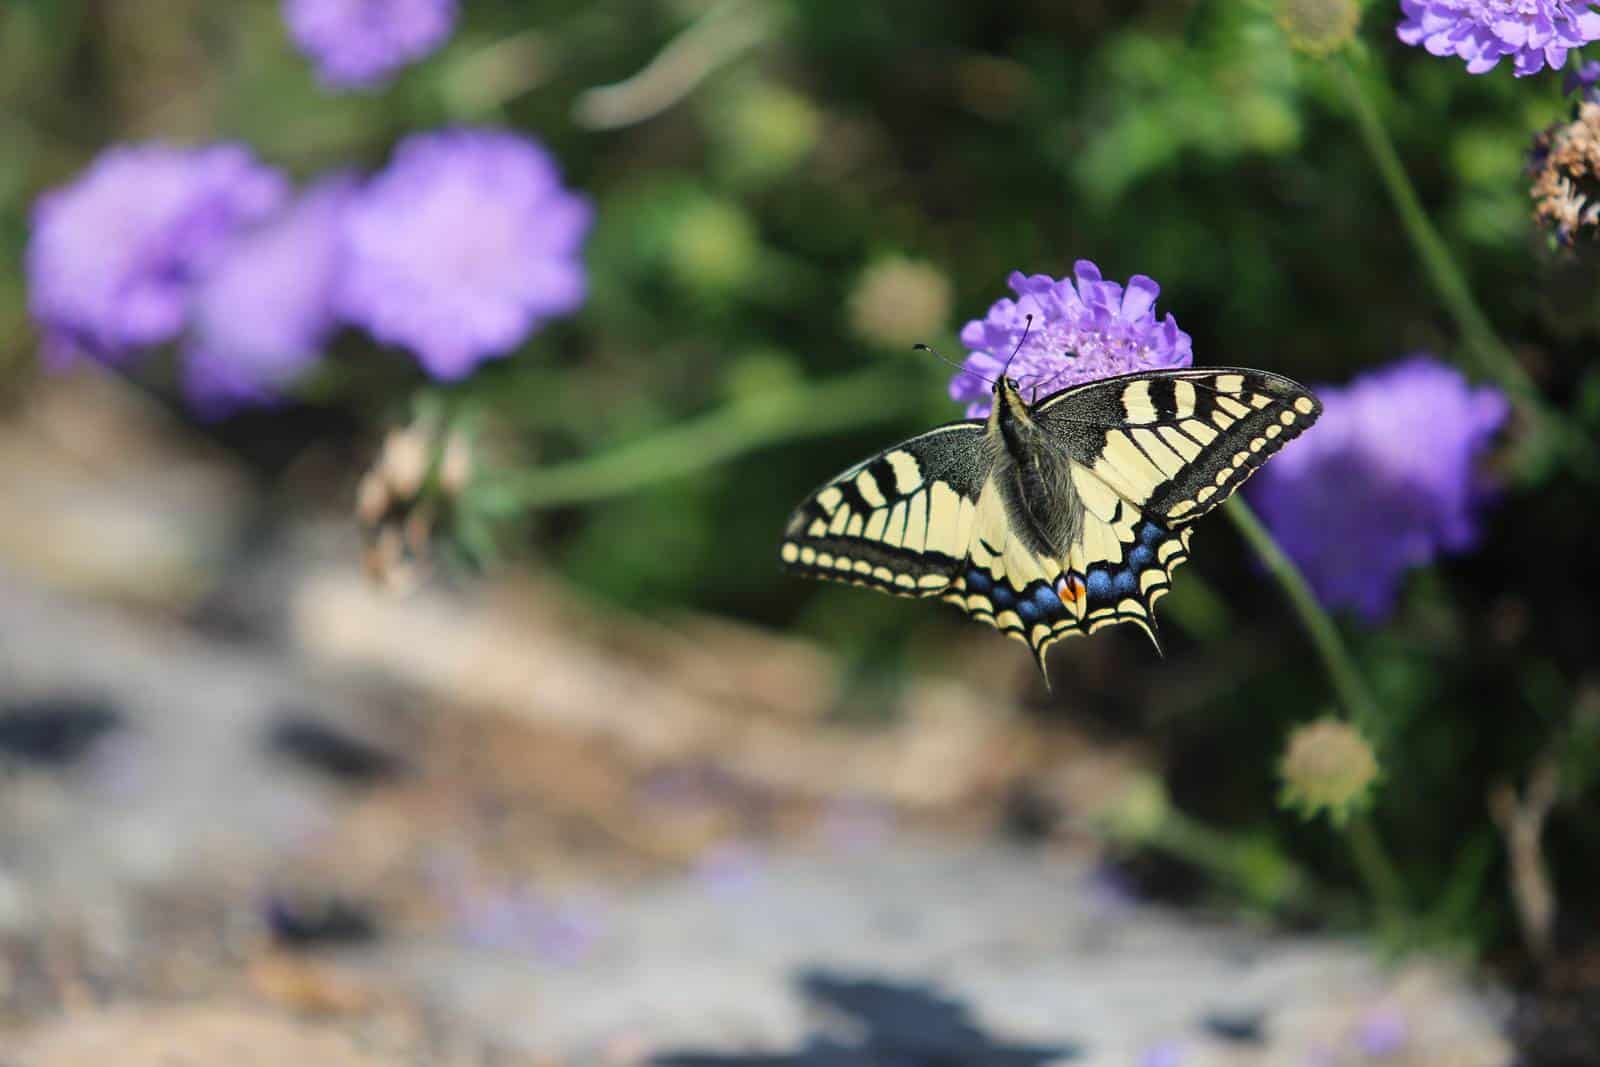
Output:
x=1057 y=517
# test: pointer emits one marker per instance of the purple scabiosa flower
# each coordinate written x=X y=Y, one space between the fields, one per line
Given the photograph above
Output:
x=1535 y=33
x=114 y=256
x=466 y=244
x=1373 y=490
x=1083 y=329
x=262 y=314
x=358 y=44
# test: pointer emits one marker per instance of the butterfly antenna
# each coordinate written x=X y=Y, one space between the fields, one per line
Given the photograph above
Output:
x=920 y=347
x=1026 y=326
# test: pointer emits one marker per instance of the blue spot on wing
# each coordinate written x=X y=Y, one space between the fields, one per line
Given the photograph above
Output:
x=979 y=581
x=1049 y=603
x=1028 y=609
x=1125 y=584
x=1141 y=556
x=1151 y=533
x=1002 y=597
x=1098 y=582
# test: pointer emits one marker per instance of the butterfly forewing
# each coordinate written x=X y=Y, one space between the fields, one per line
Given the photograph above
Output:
x=1175 y=443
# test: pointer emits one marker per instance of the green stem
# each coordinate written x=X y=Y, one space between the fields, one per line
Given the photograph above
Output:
x=802 y=410
x=1372 y=861
x=1347 y=681
x=1378 y=872
x=1493 y=357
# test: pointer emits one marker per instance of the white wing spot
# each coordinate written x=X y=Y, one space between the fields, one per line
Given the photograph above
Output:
x=1183 y=397
x=867 y=486
x=1232 y=407
x=907 y=472
x=1136 y=403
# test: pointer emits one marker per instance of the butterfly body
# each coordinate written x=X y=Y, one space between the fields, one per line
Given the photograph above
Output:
x=1054 y=517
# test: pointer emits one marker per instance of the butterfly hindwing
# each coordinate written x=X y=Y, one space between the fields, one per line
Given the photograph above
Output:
x=900 y=521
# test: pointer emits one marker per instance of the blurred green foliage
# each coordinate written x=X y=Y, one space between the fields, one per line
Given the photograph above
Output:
x=1178 y=138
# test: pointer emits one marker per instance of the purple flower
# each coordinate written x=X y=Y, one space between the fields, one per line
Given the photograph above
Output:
x=262 y=314
x=1482 y=32
x=1373 y=490
x=114 y=256
x=357 y=44
x=1382 y=1033
x=463 y=247
x=1583 y=77
x=517 y=921
x=1166 y=1054
x=1080 y=332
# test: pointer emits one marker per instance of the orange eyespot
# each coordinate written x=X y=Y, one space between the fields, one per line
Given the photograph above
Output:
x=1070 y=588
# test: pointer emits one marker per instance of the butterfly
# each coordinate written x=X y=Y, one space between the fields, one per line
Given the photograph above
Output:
x=1055 y=517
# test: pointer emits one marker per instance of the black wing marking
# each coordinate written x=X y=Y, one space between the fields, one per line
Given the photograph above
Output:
x=900 y=521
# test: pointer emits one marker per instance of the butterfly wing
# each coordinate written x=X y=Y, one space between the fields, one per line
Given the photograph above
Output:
x=900 y=521
x=1150 y=453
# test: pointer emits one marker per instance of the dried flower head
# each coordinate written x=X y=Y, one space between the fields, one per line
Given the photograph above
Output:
x=1082 y=329
x=898 y=302
x=1319 y=27
x=1565 y=166
x=418 y=477
x=1533 y=33
x=1328 y=766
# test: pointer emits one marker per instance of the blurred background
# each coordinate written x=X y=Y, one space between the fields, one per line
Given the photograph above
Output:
x=371 y=713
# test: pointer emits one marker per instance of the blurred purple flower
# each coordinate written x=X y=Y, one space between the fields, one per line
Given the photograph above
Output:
x=262 y=314
x=463 y=247
x=1382 y=1033
x=730 y=869
x=1081 y=332
x=857 y=824
x=1373 y=489
x=1110 y=893
x=114 y=256
x=1583 y=76
x=1166 y=1054
x=1482 y=32
x=519 y=922
x=357 y=44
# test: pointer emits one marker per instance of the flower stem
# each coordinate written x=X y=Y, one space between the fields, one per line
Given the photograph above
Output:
x=1377 y=870
x=797 y=411
x=1492 y=356
x=1347 y=681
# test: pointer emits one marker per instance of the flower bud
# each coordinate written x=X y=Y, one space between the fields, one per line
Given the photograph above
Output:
x=898 y=302
x=1319 y=27
x=1327 y=766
